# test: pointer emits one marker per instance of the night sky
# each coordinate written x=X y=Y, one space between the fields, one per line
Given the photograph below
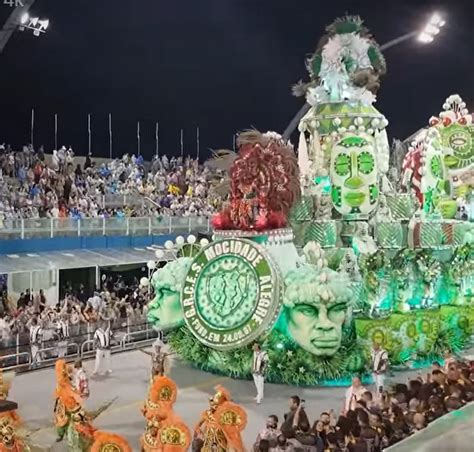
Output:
x=222 y=65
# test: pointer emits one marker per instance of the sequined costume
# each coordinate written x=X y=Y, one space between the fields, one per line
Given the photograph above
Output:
x=221 y=425
x=161 y=359
x=164 y=431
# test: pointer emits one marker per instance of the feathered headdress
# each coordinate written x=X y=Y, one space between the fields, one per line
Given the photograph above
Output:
x=221 y=395
x=104 y=442
x=161 y=398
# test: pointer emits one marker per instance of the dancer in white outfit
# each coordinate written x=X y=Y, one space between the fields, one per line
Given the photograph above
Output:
x=260 y=363
x=102 y=339
x=379 y=367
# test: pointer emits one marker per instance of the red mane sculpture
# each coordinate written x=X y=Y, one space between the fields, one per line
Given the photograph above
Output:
x=264 y=184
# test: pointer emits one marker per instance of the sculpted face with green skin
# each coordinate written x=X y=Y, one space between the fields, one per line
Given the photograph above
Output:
x=317 y=305
x=354 y=174
x=165 y=311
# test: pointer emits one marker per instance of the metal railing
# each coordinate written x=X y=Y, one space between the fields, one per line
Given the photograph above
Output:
x=81 y=346
x=28 y=228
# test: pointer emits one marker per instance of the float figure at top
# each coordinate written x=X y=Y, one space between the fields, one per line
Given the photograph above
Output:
x=264 y=184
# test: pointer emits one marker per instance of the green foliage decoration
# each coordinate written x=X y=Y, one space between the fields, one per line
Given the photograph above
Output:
x=289 y=363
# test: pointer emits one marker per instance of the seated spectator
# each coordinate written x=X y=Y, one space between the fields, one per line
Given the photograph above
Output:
x=319 y=434
x=419 y=422
x=332 y=443
x=356 y=443
x=283 y=445
x=269 y=434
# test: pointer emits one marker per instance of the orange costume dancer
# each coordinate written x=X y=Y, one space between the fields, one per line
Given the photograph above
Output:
x=221 y=425
x=72 y=420
x=164 y=431
x=9 y=423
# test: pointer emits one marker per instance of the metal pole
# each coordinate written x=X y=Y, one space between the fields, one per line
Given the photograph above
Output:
x=398 y=40
x=157 y=143
x=11 y=25
x=233 y=142
x=56 y=131
x=89 y=132
x=182 y=143
x=197 y=144
x=138 y=137
x=32 y=127
x=110 y=137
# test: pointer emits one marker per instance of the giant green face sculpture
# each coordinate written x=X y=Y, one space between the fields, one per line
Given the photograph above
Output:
x=460 y=139
x=317 y=306
x=354 y=174
x=318 y=327
x=165 y=311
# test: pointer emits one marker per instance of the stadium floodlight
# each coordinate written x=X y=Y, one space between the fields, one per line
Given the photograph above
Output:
x=35 y=24
x=432 y=28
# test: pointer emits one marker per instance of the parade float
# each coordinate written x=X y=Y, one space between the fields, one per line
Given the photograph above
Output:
x=320 y=254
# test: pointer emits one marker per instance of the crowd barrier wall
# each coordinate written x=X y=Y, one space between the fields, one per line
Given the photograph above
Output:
x=25 y=235
x=70 y=243
x=16 y=353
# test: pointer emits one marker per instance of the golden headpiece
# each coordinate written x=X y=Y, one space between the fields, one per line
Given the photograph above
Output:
x=222 y=395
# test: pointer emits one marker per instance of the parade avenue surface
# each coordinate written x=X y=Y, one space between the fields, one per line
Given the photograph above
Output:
x=129 y=383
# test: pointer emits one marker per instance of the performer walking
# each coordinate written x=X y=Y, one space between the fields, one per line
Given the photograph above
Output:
x=379 y=362
x=102 y=339
x=260 y=362
x=36 y=333
x=160 y=358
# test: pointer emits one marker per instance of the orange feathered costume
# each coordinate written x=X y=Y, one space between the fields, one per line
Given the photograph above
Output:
x=165 y=431
x=69 y=413
x=221 y=425
x=9 y=422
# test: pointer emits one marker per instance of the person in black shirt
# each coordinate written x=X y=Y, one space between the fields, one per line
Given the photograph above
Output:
x=287 y=428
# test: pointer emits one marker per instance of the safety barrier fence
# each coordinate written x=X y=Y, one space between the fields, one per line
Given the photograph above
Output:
x=17 y=352
x=32 y=228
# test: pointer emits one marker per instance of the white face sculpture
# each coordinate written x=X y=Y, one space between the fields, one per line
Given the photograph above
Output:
x=354 y=174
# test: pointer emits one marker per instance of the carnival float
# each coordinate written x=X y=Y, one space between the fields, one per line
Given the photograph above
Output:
x=320 y=253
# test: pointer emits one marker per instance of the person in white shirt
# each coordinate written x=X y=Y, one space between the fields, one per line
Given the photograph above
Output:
x=62 y=333
x=353 y=394
x=379 y=364
x=102 y=339
x=36 y=333
x=259 y=366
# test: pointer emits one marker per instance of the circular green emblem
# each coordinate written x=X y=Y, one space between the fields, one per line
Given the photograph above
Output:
x=231 y=293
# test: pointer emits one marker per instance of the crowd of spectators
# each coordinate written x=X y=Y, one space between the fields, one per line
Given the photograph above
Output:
x=122 y=304
x=33 y=185
x=372 y=424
